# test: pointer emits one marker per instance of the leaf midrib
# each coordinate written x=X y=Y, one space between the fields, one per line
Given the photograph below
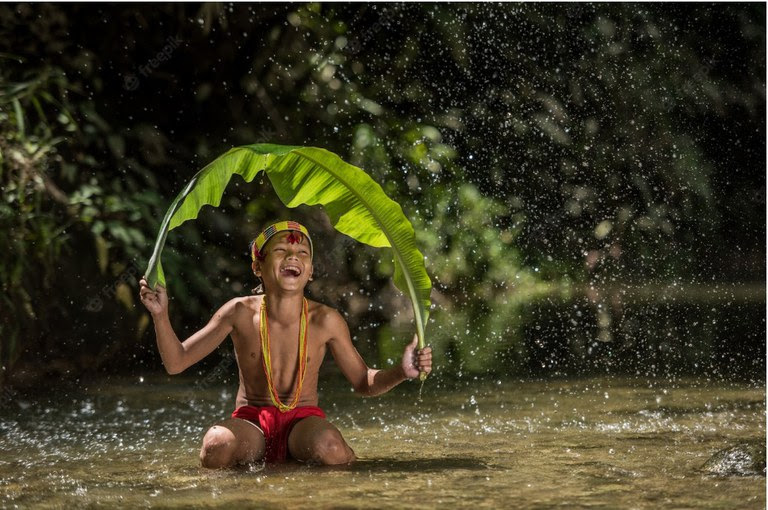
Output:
x=411 y=289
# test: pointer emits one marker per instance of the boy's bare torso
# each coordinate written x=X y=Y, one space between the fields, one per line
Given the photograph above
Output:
x=284 y=348
x=284 y=265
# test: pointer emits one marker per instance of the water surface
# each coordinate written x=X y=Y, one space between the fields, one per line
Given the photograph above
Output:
x=597 y=443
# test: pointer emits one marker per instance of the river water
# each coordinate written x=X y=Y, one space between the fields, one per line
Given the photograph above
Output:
x=597 y=443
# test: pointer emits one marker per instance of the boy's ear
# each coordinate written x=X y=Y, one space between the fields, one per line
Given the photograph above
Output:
x=256 y=268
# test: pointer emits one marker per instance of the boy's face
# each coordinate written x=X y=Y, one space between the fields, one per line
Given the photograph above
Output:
x=287 y=262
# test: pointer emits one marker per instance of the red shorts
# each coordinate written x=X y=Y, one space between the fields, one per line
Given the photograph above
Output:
x=276 y=426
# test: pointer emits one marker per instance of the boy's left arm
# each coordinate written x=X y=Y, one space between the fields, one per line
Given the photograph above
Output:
x=371 y=381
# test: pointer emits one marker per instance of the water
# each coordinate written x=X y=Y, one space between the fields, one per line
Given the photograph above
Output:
x=613 y=443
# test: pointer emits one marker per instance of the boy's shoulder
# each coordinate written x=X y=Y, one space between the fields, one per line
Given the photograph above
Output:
x=248 y=301
x=243 y=305
x=318 y=311
x=321 y=310
x=328 y=320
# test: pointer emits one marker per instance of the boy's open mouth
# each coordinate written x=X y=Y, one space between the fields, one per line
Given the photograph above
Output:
x=291 y=270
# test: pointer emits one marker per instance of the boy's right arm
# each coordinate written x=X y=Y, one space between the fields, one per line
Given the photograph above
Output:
x=178 y=356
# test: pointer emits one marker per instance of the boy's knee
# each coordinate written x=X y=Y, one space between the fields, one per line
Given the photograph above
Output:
x=219 y=448
x=330 y=448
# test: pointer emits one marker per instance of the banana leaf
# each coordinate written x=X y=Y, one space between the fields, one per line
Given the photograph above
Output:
x=355 y=204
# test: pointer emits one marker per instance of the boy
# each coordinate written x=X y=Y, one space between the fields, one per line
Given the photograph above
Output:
x=276 y=413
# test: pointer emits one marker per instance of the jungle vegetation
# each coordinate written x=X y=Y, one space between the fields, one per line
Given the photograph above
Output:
x=559 y=162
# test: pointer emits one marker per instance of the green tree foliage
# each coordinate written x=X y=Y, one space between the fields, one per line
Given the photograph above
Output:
x=538 y=148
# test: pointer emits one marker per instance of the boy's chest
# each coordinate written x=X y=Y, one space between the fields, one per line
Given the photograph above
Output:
x=282 y=348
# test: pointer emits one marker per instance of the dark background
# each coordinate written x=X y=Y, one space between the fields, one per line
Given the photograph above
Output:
x=586 y=181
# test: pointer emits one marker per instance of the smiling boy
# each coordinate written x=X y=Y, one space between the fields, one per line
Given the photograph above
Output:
x=280 y=340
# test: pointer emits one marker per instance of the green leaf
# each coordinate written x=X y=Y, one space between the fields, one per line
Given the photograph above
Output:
x=19 y=116
x=355 y=204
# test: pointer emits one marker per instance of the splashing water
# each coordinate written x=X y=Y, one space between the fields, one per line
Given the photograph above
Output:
x=542 y=443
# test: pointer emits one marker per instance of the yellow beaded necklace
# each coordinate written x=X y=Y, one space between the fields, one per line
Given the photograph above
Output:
x=266 y=358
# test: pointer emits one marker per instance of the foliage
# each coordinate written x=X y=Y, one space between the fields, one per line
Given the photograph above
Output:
x=578 y=147
x=50 y=205
x=355 y=204
x=480 y=284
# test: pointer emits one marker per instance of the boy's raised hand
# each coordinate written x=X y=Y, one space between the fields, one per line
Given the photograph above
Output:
x=416 y=360
x=156 y=301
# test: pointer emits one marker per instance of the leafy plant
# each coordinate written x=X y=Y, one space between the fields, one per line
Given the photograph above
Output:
x=356 y=205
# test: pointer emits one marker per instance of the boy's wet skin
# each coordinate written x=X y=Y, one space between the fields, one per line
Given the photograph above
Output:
x=285 y=267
